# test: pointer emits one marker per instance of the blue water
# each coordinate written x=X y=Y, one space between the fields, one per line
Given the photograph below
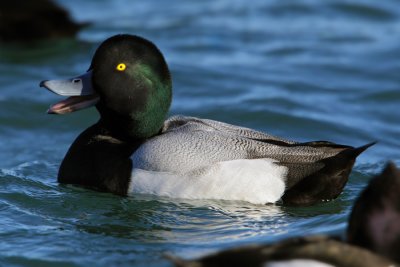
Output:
x=305 y=70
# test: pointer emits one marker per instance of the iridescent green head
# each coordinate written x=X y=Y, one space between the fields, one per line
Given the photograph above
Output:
x=128 y=81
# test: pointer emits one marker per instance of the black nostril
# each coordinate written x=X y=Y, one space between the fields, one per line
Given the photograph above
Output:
x=76 y=80
x=42 y=83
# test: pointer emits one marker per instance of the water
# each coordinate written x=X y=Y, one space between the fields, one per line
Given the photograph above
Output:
x=306 y=70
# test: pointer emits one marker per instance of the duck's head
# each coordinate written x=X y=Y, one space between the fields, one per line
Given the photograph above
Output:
x=374 y=221
x=129 y=83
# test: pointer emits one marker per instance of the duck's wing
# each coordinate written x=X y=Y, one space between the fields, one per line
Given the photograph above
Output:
x=176 y=122
x=238 y=142
x=314 y=170
x=197 y=142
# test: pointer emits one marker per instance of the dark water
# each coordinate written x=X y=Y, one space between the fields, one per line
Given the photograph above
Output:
x=306 y=70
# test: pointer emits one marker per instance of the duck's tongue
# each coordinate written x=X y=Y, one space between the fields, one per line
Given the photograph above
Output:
x=73 y=103
x=79 y=89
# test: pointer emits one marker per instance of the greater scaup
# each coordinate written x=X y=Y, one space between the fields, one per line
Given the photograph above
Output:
x=133 y=148
x=27 y=21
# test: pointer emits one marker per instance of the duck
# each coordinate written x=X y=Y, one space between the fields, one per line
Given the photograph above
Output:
x=135 y=148
x=372 y=237
x=33 y=21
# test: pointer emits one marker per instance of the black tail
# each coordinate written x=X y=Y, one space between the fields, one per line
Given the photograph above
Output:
x=355 y=152
x=328 y=182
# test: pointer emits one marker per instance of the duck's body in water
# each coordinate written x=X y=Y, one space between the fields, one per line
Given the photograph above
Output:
x=135 y=148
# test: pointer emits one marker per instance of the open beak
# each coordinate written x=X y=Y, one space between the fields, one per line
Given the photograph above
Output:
x=80 y=92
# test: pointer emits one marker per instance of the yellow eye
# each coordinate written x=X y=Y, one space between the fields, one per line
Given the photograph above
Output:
x=121 y=67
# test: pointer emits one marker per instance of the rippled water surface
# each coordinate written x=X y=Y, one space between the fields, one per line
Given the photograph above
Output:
x=305 y=70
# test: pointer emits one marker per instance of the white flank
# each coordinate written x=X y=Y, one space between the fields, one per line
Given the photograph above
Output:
x=258 y=181
x=297 y=263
